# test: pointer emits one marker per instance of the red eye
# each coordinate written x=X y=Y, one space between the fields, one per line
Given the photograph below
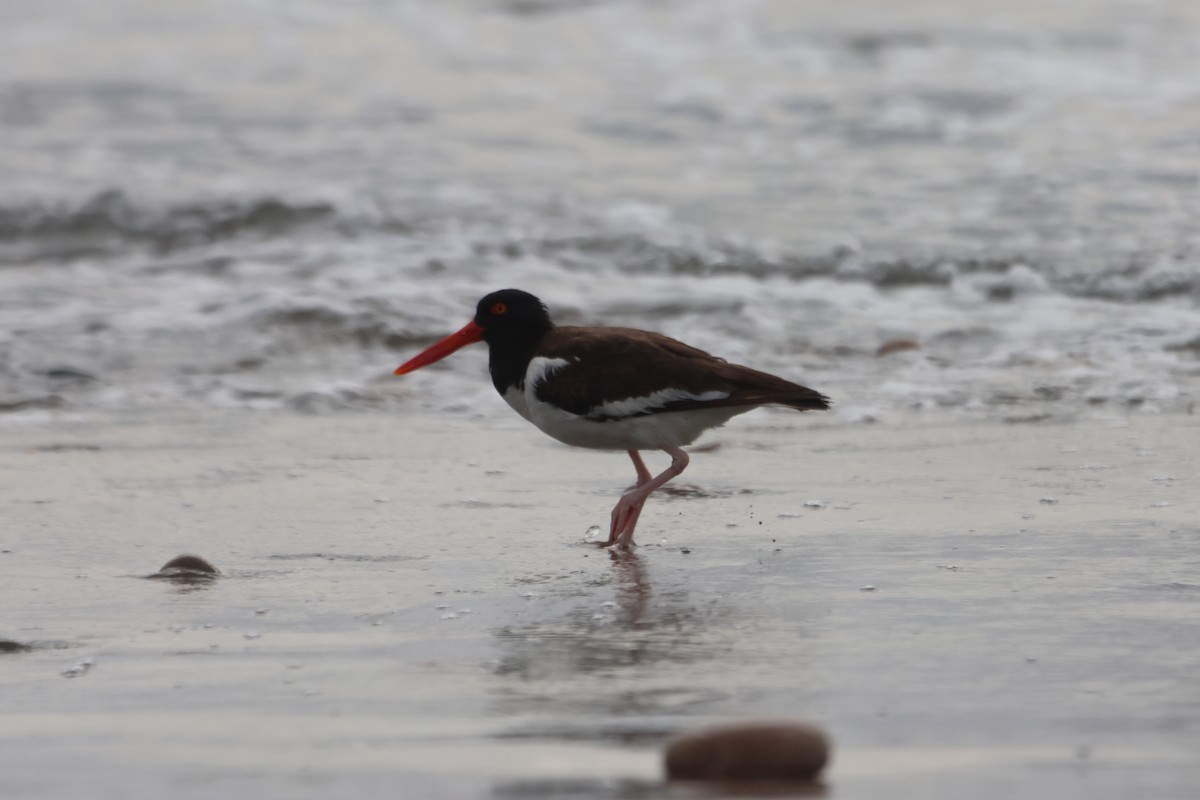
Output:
x=500 y=308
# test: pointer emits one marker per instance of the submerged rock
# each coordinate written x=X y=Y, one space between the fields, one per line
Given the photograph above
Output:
x=9 y=646
x=754 y=751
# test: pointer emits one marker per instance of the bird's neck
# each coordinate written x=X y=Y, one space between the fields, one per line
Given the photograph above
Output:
x=508 y=358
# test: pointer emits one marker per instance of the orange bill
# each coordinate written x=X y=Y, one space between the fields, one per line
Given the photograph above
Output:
x=470 y=334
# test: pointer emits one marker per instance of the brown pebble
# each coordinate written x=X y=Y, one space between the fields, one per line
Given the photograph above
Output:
x=190 y=563
x=186 y=569
x=752 y=751
x=897 y=346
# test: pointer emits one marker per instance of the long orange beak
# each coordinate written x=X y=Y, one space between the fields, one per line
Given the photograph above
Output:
x=470 y=334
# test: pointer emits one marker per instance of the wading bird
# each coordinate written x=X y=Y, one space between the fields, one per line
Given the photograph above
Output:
x=612 y=388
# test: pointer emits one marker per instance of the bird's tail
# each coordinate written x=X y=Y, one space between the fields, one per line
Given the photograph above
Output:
x=808 y=400
x=762 y=388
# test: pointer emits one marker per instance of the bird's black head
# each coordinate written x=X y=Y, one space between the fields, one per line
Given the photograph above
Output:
x=512 y=323
x=511 y=316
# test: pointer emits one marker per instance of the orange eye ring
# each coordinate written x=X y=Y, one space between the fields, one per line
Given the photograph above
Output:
x=500 y=308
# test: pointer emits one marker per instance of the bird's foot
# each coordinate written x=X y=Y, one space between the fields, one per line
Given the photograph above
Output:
x=624 y=521
x=617 y=543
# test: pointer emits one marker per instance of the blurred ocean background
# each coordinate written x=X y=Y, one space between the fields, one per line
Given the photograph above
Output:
x=271 y=203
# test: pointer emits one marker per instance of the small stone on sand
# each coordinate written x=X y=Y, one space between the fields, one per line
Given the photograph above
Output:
x=9 y=646
x=752 y=751
x=190 y=563
x=186 y=568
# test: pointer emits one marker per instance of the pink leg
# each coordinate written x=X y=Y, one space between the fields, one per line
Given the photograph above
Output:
x=640 y=466
x=643 y=477
x=629 y=507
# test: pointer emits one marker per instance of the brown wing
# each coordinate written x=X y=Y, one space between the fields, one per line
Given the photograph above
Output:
x=606 y=365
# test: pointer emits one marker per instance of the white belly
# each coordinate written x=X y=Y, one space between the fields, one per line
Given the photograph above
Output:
x=646 y=432
x=650 y=432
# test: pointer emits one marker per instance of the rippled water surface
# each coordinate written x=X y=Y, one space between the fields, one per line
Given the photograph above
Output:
x=269 y=203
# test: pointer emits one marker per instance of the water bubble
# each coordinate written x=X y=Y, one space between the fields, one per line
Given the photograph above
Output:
x=251 y=635
x=450 y=615
x=593 y=534
x=1048 y=501
x=867 y=588
x=814 y=504
x=78 y=669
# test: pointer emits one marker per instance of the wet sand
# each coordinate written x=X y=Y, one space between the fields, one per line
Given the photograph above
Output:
x=407 y=606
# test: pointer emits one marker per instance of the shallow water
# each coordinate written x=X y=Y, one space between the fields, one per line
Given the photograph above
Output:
x=266 y=204
x=372 y=630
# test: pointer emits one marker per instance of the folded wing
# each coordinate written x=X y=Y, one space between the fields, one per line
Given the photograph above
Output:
x=638 y=373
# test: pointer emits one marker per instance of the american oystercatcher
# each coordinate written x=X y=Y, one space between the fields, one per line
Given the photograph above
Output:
x=612 y=388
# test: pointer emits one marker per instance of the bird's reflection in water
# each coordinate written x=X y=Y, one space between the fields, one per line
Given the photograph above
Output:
x=610 y=659
x=633 y=587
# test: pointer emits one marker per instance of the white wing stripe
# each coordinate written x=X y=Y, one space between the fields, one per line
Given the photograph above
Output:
x=635 y=406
